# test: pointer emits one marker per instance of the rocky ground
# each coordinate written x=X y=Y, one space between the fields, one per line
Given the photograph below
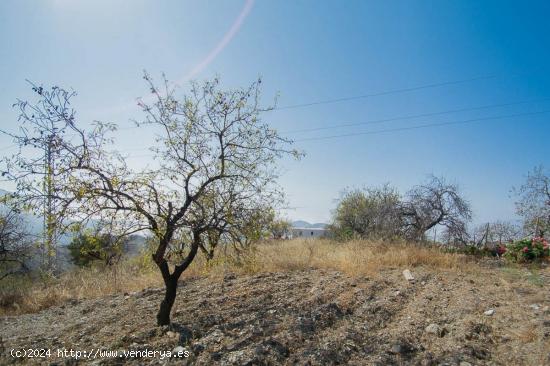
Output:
x=494 y=316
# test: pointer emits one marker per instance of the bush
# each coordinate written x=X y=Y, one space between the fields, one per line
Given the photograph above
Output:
x=480 y=251
x=86 y=248
x=527 y=250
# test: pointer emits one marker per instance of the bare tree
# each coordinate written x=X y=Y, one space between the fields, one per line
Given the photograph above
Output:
x=215 y=157
x=456 y=235
x=533 y=201
x=435 y=202
x=15 y=244
x=503 y=232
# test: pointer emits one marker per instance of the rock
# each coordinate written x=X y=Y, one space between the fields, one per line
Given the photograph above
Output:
x=478 y=352
x=433 y=329
x=464 y=363
x=408 y=275
x=198 y=348
x=490 y=312
x=402 y=348
x=534 y=306
x=171 y=334
x=436 y=329
x=238 y=358
x=505 y=338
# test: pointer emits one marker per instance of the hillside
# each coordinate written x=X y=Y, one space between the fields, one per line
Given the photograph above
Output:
x=305 y=224
x=314 y=316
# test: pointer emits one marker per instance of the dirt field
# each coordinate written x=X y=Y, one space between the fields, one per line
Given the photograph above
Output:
x=311 y=317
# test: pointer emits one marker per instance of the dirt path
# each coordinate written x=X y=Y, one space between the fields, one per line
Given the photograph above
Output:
x=311 y=317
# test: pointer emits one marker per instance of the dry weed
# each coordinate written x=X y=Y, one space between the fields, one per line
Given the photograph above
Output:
x=355 y=258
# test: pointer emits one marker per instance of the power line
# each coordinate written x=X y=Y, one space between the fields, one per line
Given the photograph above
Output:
x=375 y=94
x=412 y=116
x=424 y=126
x=388 y=92
x=428 y=125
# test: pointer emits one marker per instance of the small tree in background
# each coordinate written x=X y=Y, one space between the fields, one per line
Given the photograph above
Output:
x=88 y=247
x=456 y=236
x=214 y=158
x=279 y=228
x=533 y=202
x=433 y=203
x=246 y=227
x=16 y=244
x=368 y=213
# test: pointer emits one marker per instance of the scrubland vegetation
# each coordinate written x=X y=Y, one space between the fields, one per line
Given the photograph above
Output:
x=30 y=293
x=285 y=300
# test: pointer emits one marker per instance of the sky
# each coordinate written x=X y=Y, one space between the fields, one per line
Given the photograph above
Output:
x=482 y=62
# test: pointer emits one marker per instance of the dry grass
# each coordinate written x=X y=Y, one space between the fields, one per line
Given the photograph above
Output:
x=34 y=293
x=527 y=335
x=25 y=295
x=354 y=257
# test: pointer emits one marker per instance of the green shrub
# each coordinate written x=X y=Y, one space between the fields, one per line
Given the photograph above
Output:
x=480 y=251
x=528 y=250
x=87 y=247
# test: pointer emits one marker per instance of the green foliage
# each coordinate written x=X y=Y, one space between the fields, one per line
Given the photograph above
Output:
x=477 y=251
x=528 y=250
x=86 y=248
x=368 y=213
x=280 y=228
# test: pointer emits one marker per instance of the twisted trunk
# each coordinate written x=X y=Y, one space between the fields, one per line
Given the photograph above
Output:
x=171 y=280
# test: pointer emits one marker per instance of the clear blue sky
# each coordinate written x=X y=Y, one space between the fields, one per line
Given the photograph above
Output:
x=310 y=51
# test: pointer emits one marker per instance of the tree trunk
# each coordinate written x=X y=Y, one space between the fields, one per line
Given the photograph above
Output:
x=163 y=316
x=171 y=280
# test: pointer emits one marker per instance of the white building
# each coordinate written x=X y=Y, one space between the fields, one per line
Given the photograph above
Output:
x=308 y=232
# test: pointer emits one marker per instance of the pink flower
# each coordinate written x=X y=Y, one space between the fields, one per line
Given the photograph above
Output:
x=525 y=249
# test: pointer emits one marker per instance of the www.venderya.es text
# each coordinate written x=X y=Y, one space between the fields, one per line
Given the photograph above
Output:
x=96 y=353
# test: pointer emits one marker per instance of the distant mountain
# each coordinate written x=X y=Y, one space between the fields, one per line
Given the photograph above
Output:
x=305 y=224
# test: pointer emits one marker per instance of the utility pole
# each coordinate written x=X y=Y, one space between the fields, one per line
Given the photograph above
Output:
x=49 y=249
